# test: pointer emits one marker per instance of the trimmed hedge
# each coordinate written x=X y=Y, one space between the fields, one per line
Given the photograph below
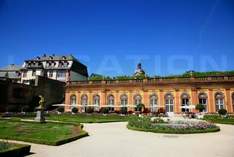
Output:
x=17 y=150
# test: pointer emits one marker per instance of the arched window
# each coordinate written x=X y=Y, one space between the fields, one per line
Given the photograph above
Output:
x=96 y=100
x=84 y=102
x=111 y=102
x=123 y=100
x=153 y=102
x=169 y=102
x=219 y=101
x=137 y=99
x=73 y=100
x=233 y=102
x=185 y=102
x=202 y=97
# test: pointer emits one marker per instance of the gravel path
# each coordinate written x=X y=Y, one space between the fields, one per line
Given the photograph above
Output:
x=115 y=140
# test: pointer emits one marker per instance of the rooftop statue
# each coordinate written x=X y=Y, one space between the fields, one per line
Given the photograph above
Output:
x=139 y=71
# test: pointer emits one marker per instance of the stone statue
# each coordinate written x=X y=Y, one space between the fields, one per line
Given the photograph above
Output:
x=41 y=102
x=139 y=71
x=40 y=110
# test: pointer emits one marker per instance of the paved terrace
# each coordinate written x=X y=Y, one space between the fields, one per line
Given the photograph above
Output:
x=115 y=140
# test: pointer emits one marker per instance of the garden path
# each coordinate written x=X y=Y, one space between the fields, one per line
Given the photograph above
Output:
x=115 y=140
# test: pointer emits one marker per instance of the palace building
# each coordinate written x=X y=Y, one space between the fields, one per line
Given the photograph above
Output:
x=174 y=95
x=61 y=68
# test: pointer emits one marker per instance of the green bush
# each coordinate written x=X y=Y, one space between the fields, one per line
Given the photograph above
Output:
x=140 y=122
x=89 y=110
x=104 y=110
x=74 y=110
x=140 y=107
x=200 y=107
x=123 y=110
x=222 y=112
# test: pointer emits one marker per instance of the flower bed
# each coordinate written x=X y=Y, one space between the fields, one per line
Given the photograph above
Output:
x=172 y=127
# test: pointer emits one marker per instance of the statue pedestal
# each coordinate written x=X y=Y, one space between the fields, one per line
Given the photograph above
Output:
x=40 y=115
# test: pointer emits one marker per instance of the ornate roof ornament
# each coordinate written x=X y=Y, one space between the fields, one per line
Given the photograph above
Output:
x=139 y=71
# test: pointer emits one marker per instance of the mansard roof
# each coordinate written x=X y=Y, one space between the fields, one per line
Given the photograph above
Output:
x=11 y=67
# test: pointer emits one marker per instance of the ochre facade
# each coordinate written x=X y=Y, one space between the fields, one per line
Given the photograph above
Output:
x=174 y=95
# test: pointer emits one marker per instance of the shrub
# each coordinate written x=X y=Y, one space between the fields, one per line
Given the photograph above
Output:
x=74 y=110
x=123 y=110
x=222 y=112
x=161 y=110
x=140 y=107
x=157 y=120
x=146 y=111
x=104 y=110
x=140 y=122
x=13 y=108
x=89 y=110
x=200 y=107
x=60 y=109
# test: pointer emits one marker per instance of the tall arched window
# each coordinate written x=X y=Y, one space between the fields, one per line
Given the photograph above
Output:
x=202 y=97
x=169 y=102
x=232 y=102
x=153 y=102
x=73 y=100
x=137 y=99
x=185 y=102
x=111 y=102
x=84 y=102
x=219 y=101
x=96 y=100
x=124 y=100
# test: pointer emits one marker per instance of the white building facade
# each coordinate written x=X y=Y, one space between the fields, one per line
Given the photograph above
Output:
x=61 y=68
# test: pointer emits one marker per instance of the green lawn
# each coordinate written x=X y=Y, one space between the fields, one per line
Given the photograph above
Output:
x=44 y=133
x=87 y=118
x=77 y=118
x=219 y=119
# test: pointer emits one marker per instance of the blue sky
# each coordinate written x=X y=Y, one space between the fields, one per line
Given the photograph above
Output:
x=111 y=36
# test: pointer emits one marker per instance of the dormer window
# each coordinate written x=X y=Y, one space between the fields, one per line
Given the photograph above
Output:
x=50 y=73
x=61 y=64
x=38 y=58
x=66 y=64
x=63 y=57
x=34 y=73
x=25 y=74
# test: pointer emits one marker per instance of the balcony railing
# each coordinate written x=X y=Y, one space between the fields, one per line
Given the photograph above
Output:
x=155 y=80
